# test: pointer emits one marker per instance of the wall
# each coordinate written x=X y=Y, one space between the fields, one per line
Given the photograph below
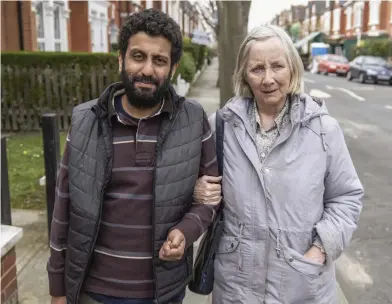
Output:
x=9 y=286
x=98 y=20
x=9 y=26
x=80 y=28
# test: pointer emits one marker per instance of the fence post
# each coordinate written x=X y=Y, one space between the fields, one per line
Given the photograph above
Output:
x=51 y=142
x=5 y=188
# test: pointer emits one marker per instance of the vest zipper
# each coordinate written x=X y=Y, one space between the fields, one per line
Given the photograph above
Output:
x=110 y=164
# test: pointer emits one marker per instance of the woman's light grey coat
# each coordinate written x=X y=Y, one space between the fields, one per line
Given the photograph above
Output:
x=306 y=186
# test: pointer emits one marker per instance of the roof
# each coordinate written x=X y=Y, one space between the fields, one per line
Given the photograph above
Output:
x=307 y=39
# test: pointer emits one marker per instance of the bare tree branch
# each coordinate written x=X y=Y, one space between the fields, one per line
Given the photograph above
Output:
x=207 y=16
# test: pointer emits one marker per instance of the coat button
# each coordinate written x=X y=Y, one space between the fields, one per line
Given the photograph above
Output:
x=291 y=259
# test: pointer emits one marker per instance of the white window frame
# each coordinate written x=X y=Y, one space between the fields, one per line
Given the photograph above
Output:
x=57 y=40
x=149 y=4
x=349 y=16
x=390 y=13
x=48 y=41
x=358 y=14
x=39 y=9
x=336 y=19
x=327 y=21
x=374 y=12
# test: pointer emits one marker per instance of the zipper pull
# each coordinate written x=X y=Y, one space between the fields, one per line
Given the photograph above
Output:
x=278 y=243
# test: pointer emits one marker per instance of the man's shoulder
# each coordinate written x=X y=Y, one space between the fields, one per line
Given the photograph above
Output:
x=85 y=106
x=193 y=104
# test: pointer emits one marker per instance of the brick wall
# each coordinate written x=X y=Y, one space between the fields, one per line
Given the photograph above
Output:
x=389 y=27
x=365 y=20
x=384 y=15
x=9 y=26
x=80 y=27
x=343 y=22
x=9 y=294
x=29 y=27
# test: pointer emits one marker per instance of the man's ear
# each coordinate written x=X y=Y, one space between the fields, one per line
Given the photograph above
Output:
x=174 y=68
x=120 y=62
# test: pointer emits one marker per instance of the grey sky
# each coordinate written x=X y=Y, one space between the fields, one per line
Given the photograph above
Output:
x=262 y=11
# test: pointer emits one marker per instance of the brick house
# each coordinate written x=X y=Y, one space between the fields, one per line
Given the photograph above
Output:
x=78 y=26
x=363 y=20
x=35 y=25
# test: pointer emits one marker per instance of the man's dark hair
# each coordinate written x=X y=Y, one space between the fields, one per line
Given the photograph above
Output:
x=154 y=23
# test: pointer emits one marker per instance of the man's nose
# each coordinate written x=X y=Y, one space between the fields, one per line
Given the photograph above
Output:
x=148 y=69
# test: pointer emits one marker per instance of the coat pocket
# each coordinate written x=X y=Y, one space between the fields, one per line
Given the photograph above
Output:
x=227 y=255
x=301 y=277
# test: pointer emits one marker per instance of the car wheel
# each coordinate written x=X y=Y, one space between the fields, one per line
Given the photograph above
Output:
x=349 y=76
x=362 y=77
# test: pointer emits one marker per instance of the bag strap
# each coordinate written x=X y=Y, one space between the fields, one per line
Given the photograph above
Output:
x=219 y=133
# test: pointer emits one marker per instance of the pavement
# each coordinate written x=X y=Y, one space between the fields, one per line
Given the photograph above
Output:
x=364 y=112
x=33 y=251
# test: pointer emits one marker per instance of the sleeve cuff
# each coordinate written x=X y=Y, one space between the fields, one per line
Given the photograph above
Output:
x=191 y=230
x=57 y=284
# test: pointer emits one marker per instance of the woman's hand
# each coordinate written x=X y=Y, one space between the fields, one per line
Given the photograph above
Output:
x=208 y=190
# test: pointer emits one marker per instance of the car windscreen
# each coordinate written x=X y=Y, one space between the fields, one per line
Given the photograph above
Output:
x=374 y=61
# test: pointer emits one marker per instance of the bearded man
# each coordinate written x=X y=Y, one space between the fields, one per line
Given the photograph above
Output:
x=125 y=221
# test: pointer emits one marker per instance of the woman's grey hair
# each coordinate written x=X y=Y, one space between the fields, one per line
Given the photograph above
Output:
x=261 y=33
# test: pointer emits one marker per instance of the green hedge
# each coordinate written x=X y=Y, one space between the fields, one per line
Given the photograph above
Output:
x=34 y=83
x=38 y=82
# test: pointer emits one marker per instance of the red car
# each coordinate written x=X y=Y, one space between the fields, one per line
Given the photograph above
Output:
x=335 y=64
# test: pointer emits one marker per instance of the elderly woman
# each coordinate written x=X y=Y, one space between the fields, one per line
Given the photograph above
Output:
x=292 y=195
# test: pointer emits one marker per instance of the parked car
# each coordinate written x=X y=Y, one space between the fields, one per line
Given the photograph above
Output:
x=371 y=68
x=335 y=64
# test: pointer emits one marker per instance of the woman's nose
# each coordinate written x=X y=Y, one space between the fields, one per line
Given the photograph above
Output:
x=268 y=77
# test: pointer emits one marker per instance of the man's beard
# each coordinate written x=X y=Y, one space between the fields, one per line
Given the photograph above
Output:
x=144 y=98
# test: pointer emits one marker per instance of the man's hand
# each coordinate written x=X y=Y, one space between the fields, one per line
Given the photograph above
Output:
x=59 y=300
x=208 y=190
x=173 y=249
x=314 y=254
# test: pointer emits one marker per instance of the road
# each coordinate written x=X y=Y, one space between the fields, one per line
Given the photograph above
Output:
x=364 y=112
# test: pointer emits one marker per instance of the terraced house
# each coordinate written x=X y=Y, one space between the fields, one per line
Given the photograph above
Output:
x=78 y=26
x=342 y=24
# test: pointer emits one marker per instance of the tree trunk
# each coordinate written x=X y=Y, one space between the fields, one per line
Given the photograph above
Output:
x=233 y=23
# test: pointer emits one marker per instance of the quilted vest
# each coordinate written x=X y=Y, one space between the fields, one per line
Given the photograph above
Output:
x=90 y=164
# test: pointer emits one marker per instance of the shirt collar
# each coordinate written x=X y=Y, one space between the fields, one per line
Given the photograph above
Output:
x=166 y=107
x=278 y=120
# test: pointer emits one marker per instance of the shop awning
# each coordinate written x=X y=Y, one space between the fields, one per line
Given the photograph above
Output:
x=307 y=39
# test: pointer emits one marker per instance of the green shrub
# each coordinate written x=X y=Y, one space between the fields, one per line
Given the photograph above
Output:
x=186 y=68
x=198 y=52
x=376 y=47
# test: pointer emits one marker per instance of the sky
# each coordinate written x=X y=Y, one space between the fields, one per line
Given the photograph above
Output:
x=262 y=11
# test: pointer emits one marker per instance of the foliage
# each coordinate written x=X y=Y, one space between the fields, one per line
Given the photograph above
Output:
x=376 y=47
x=186 y=68
x=34 y=83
